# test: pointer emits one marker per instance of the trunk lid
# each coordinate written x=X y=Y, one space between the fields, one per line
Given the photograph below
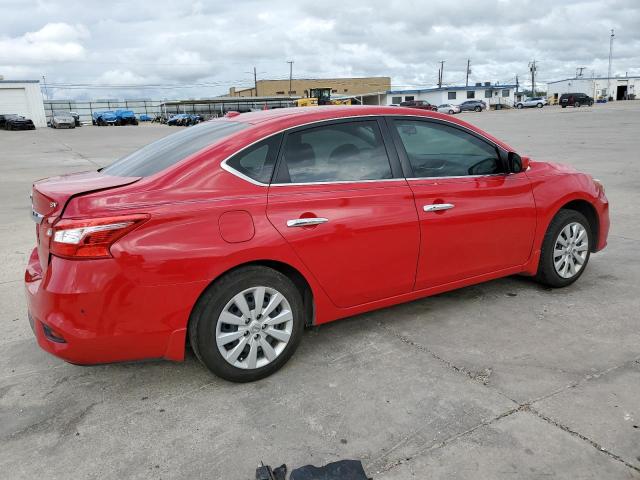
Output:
x=50 y=196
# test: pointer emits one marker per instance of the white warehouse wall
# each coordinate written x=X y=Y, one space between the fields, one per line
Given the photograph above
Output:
x=23 y=98
x=594 y=87
x=440 y=96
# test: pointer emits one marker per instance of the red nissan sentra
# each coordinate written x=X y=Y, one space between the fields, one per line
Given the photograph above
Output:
x=237 y=233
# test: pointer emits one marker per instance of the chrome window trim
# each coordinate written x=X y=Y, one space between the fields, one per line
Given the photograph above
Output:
x=225 y=166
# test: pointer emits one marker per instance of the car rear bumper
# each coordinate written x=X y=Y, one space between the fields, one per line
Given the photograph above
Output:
x=89 y=312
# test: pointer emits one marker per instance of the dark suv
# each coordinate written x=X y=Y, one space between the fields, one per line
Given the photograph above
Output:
x=422 y=104
x=575 y=99
x=475 y=105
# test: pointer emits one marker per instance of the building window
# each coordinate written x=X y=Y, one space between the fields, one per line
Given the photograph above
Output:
x=292 y=92
x=506 y=92
x=471 y=94
x=346 y=89
x=396 y=99
x=452 y=95
x=334 y=91
x=487 y=94
x=280 y=93
x=409 y=98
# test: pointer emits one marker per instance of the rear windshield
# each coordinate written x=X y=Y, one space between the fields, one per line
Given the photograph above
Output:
x=168 y=151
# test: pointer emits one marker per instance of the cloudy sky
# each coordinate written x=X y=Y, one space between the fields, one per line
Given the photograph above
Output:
x=181 y=49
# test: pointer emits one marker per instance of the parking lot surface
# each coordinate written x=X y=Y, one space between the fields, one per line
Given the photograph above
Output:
x=506 y=379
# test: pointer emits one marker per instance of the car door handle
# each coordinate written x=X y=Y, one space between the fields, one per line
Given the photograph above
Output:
x=305 y=222
x=436 y=207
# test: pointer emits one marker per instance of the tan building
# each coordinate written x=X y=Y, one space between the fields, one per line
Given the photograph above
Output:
x=300 y=87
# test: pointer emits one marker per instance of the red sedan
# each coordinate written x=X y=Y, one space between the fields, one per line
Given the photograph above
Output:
x=237 y=233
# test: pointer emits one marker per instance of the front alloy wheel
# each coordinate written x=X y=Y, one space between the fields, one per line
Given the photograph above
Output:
x=570 y=251
x=565 y=249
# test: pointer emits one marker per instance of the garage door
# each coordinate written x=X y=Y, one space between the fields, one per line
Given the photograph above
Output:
x=14 y=100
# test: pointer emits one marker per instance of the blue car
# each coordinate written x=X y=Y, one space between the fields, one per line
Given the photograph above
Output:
x=145 y=118
x=104 y=118
x=126 y=117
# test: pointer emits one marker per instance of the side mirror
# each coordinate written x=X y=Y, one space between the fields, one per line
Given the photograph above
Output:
x=517 y=163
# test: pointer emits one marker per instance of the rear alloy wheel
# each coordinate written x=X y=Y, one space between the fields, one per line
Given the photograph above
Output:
x=539 y=105
x=478 y=109
x=451 y=112
x=248 y=324
x=520 y=106
x=565 y=249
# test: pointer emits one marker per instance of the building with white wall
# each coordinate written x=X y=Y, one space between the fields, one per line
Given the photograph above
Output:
x=616 y=88
x=491 y=94
x=23 y=97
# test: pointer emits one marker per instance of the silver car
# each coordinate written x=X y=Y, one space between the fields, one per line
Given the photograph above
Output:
x=538 y=102
x=62 y=119
x=448 y=108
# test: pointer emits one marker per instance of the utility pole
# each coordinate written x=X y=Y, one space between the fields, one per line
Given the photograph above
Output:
x=532 y=69
x=290 y=62
x=610 y=59
x=255 y=81
x=46 y=92
x=468 y=71
x=441 y=74
x=517 y=85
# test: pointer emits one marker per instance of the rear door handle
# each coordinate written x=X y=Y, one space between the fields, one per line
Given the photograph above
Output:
x=305 y=222
x=436 y=207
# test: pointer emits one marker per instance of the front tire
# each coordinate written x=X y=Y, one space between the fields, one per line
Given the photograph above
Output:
x=247 y=324
x=566 y=249
x=520 y=106
x=576 y=105
x=478 y=109
x=539 y=105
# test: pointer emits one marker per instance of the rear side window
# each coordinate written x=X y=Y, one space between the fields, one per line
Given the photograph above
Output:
x=169 y=150
x=338 y=152
x=436 y=150
x=257 y=161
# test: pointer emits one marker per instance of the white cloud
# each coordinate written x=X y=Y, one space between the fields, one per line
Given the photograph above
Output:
x=218 y=43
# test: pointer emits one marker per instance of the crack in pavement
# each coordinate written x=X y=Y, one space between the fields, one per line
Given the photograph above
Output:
x=522 y=407
x=593 y=443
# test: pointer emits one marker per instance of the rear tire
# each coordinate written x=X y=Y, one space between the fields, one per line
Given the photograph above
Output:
x=222 y=303
x=576 y=105
x=451 y=112
x=539 y=105
x=478 y=109
x=554 y=255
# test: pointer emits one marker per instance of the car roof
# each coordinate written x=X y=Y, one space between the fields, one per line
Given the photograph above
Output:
x=283 y=118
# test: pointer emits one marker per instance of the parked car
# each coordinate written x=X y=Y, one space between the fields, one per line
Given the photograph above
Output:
x=537 y=102
x=125 y=117
x=145 y=118
x=421 y=104
x=220 y=232
x=575 y=99
x=16 y=122
x=3 y=119
x=473 y=105
x=104 y=118
x=448 y=108
x=62 y=119
x=184 y=120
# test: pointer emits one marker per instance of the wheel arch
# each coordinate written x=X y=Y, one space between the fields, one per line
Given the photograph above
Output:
x=298 y=279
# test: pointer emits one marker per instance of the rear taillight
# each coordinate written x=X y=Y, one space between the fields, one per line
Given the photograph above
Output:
x=90 y=238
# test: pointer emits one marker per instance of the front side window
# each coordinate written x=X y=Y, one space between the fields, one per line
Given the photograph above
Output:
x=338 y=152
x=257 y=161
x=471 y=94
x=436 y=150
x=169 y=150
